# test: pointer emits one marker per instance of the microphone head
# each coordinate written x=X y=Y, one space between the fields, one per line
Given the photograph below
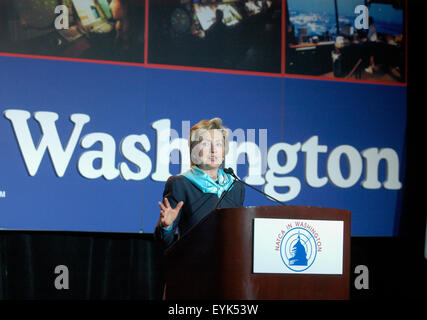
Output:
x=228 y=170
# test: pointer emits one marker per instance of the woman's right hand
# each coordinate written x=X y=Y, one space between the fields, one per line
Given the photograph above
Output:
x=167 y=213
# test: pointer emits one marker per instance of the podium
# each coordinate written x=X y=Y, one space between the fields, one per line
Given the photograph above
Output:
x=215 y=258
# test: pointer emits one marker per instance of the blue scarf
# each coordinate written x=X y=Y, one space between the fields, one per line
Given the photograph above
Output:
x=206 y=183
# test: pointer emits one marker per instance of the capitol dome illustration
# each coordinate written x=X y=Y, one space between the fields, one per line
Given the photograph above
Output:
x=299 y=254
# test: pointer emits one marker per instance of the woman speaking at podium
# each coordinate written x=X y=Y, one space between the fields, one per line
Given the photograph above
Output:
x=189 y=197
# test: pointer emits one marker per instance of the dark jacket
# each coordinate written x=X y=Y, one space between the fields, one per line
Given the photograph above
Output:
x=197 y=205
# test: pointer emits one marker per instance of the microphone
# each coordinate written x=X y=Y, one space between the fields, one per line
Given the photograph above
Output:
x=223 y=195
x=231 y=172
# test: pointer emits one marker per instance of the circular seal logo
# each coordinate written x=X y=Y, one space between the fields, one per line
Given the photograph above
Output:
x=298 y=249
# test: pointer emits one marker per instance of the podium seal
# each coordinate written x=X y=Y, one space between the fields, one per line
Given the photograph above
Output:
x=298 y=249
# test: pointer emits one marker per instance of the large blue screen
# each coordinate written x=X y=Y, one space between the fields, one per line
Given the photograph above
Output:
x=321 y=143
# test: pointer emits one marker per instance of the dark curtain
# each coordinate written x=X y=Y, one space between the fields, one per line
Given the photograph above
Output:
x=100 y=265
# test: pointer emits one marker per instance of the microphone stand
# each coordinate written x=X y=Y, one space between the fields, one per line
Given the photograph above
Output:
x=231 y=172
x=223 y=195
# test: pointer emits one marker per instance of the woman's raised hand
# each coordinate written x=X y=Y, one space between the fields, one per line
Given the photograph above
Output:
x=167 y=213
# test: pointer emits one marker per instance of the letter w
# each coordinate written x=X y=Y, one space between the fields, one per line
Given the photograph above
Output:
x=49 y=140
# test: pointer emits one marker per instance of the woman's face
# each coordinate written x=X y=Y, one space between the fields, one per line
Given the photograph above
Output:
x=209 y=152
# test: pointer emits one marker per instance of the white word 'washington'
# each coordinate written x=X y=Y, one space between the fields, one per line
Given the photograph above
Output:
x=133 y=148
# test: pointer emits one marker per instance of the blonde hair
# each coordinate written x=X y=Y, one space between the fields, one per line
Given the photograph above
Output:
x=204 y=125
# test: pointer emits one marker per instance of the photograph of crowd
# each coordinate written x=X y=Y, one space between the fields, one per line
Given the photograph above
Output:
x=322 y=39
x=224 y=34
x=92 y=29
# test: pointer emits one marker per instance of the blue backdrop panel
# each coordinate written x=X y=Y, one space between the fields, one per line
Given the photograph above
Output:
x=123 y=101
x=356 y=114
x=242 y=101
x=113 y=97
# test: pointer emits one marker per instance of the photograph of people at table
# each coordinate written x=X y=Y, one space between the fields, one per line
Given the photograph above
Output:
x=225 y=34
x=84 y=29
x=346 y=39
